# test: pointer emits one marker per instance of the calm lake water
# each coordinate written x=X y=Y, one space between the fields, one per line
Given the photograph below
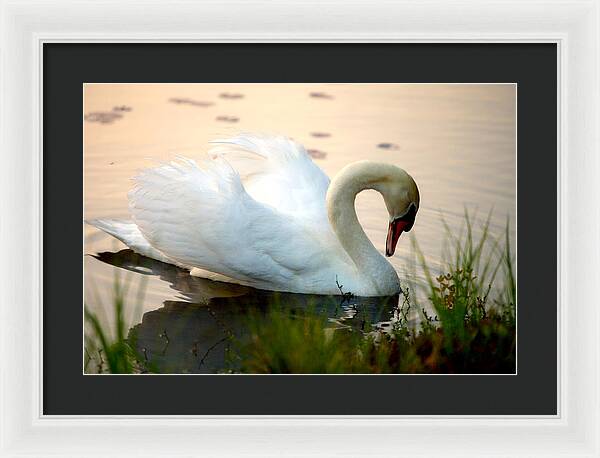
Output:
x=457 y=141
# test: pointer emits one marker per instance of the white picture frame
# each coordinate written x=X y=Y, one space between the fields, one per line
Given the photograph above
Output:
x=573 y=25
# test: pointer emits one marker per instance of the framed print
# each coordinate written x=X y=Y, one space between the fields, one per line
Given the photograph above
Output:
x=275 y=242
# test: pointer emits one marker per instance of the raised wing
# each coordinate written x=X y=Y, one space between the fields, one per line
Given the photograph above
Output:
x=278 y=172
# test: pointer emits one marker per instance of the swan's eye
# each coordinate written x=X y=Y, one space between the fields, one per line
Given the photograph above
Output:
x=409 y=217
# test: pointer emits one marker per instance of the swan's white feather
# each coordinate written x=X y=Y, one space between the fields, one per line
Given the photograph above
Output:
x=128 y=233
x=201 y=216
x=278 y=172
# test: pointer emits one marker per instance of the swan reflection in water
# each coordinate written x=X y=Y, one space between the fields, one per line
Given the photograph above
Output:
x=194 y=335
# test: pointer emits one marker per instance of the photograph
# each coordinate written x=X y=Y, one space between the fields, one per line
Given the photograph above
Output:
x=299 y=228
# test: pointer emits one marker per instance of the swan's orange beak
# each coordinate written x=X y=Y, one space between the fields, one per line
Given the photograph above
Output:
x=396 y=227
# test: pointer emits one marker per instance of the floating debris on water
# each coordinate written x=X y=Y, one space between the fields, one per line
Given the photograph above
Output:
x=316 y=153
x=107 y=117
x=320 y=95
x=388 y=146
x=227 y=118
x=320 y=134
x=188 y=101
x=231 y=95
x=103 y=117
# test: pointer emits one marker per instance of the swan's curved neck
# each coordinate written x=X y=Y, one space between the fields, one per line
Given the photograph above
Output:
x=341 y=197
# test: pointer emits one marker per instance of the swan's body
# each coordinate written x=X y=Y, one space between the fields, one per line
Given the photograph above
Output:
x=261 y=213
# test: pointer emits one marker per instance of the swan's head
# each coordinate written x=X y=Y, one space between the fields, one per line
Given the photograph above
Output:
x=397 y=187
x=401 y=197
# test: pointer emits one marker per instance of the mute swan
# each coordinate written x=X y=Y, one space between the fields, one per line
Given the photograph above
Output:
x=261 y=213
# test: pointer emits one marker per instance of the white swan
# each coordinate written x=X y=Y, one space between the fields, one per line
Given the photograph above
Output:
x=261 y=213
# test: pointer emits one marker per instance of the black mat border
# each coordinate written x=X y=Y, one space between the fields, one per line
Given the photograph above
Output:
x=532 y=392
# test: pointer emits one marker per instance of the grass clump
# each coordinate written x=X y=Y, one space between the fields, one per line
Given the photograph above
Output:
x=295 y=343
x=106 y=350
x=280 y=343
x=461 y=297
